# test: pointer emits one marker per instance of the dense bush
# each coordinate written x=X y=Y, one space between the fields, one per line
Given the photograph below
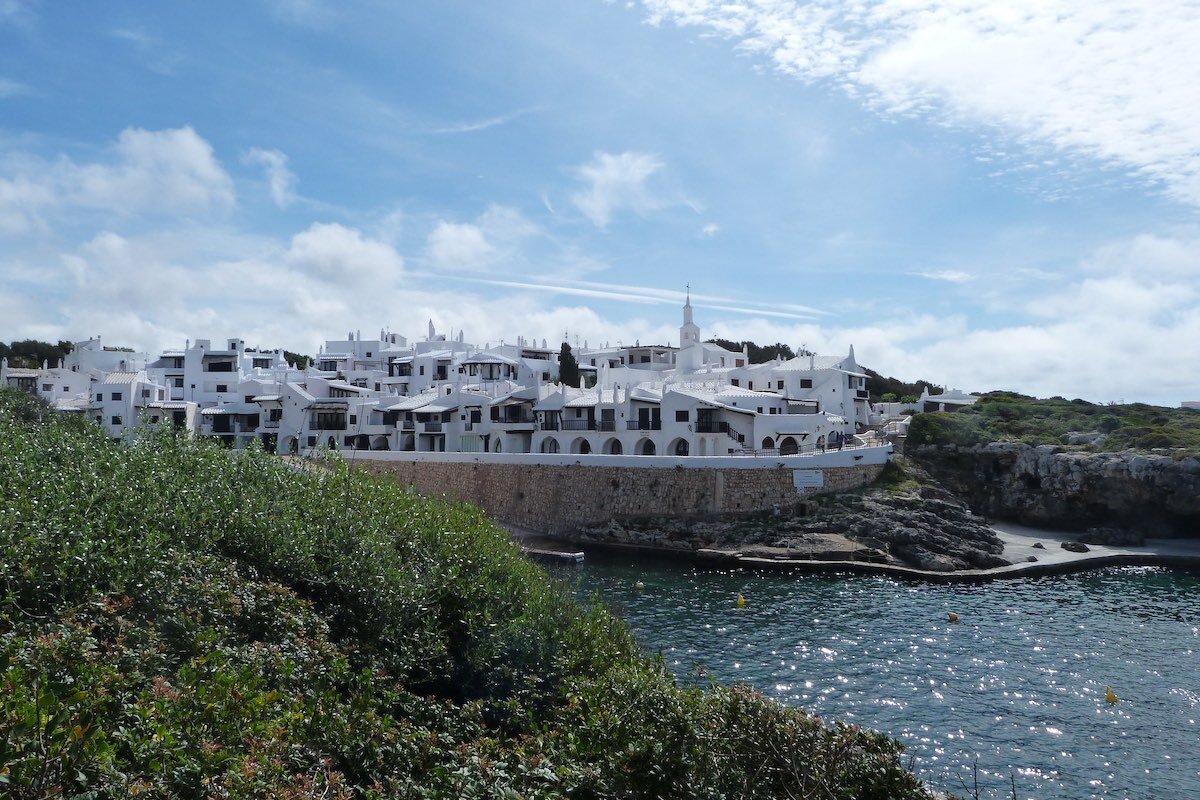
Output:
x=1003 y=416
x=177 y=620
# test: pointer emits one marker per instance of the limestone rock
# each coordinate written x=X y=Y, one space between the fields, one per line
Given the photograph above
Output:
x=1076 y=547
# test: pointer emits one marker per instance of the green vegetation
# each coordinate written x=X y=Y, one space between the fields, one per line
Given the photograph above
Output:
x=1004 y=416
x=30 y=353
x=893 y=390
x=760 y=354
x=178 y=620
x=568 y=367
x=297 y=360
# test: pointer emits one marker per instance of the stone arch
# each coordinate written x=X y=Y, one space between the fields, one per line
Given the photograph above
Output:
x=581 y=446
x=768 y=443
x=409 y=443
x=678 y=447
x=788 y=446
x=332 y=443
x=380 y=443
x=645 y=447
x=496 y=446
x=821 y=442
x=549 y=445
x=613 y=447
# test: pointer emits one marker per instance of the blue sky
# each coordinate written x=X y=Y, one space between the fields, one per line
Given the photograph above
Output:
x=984 y=195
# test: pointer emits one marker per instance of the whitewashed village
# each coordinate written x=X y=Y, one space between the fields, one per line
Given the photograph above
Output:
x=442 y=393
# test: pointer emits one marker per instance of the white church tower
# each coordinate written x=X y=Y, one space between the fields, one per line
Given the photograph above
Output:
x=691 y=353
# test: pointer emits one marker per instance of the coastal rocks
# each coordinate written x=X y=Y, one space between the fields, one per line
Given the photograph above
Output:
x=1076 y=547
x=1114 y=537
x=913 y=522
x=1049 y=486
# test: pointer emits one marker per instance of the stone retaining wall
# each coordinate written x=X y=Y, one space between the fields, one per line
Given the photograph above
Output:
x=554 y=499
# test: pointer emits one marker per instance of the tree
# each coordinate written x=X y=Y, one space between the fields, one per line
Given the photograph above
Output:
x=759 y=354
x=297 y=360
x=568 y=367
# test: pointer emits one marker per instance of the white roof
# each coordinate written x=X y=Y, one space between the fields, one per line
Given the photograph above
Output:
x=120 y=377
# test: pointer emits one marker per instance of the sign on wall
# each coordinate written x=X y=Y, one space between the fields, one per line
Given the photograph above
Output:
x=808 y=478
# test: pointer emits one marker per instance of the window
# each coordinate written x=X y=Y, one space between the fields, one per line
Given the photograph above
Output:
x=262 y=363
x=368 y=354
x=275 y=414
x=249 y=398
x=422 y=370
x=47 y=387
x=750 y=385
x=146 y=394
x=154 y=417
x=377 y=387
x=760 y=409
x=806 y=383
x=222 y=387
x=116 y=420
x=353 y=419
x=734 y=381
x=116 y=395
x=778 y=384
x=99 y=398
x=178 y=383
x=312 y=441
x=681 y=416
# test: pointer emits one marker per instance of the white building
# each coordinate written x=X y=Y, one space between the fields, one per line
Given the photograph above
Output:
x=442 y=393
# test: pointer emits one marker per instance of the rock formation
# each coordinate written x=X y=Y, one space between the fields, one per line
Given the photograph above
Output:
x=1073 y=489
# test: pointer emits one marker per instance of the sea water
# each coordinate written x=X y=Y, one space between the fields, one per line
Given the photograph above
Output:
x=1014 y=691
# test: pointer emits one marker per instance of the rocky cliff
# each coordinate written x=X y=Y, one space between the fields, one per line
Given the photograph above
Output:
x=907 y=520
x=1071 y=489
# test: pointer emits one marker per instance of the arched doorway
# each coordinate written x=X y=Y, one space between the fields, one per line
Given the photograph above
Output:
x=550 y=445
x=362 y=442
x=768 y=443
x=332 y=443
x=613 y=447
x=496 y=445
x=645 y=448
x=409 y=444
x=380 y=443
x=788 y=446
x=581 y=446
x=679 y=447
x=821 y=442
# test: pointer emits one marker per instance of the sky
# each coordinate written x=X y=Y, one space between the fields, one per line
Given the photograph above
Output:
x=986 y=195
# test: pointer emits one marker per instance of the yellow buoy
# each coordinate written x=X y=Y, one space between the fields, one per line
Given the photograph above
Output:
x=741 y=601
x=952 y=617
x=1109 y=695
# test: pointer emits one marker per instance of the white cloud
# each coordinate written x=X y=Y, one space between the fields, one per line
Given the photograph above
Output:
x=710 y=230
x=614 y=182
x=496 y=235
x=334 y=253
x=1107 y=79
x=484 y=124
x=281 y=180
x=947 y=275
x=456 y=245
x=306 y=13
x=11 y=88
x=151 y=172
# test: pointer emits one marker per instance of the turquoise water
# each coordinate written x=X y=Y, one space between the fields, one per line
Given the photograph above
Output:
x=1016 y=686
